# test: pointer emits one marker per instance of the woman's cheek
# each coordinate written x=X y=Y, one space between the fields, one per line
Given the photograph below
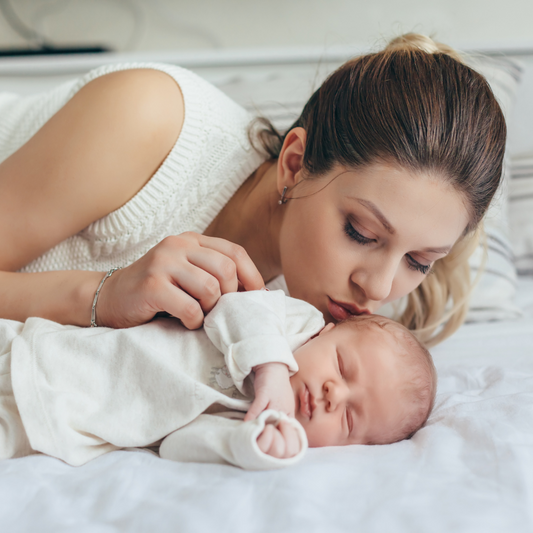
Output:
x=403 y=284
x=301 y=256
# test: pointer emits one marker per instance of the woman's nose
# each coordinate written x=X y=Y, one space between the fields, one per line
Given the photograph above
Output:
x=375 y=278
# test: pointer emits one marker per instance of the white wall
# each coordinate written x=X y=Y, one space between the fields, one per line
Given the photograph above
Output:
x=196 y=24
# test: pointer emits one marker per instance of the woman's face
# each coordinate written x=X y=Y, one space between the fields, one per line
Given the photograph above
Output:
x=362 y=238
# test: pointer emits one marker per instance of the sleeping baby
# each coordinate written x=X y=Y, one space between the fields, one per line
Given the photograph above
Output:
x=77 y=393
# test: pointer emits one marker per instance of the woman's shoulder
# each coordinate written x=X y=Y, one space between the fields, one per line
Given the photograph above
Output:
x=109 y=138
x=150 y=96
x=162 y=76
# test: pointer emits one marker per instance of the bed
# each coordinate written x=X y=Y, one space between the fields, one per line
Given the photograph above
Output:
x=470 y=469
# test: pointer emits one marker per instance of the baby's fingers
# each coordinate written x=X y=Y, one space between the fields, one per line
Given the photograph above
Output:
x=291 y=438
x=264 y=441
x=277 y=447
x=282 y=442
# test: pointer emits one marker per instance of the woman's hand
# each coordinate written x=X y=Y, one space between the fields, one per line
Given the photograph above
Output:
x=184 y=275
x=273 y=390
x=281 y=442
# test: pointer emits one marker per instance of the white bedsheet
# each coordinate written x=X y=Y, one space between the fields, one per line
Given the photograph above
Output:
x=469 y=470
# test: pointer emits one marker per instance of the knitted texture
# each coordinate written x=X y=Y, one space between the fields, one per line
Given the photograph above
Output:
x=210 y=160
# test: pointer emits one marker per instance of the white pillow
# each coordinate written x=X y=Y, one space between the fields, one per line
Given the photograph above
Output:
x=492 y=298
x=521 y=212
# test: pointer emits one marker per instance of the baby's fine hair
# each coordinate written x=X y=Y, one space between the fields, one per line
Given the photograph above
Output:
x=421 y=387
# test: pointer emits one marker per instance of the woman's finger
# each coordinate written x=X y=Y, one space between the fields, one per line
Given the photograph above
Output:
x=247 y=272
x=180 y=305
x=183 y=275
x=198 y=283
x=218 y=265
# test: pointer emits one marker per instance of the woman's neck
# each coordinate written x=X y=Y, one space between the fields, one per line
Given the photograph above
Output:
x=252 y=218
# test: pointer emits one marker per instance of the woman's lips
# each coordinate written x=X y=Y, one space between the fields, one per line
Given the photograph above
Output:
x=305 y=403
x=341 y=311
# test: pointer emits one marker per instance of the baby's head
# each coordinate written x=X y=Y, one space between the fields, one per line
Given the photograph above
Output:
x=367 y=380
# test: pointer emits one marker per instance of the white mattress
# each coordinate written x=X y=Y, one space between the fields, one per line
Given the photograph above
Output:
x=470 y=469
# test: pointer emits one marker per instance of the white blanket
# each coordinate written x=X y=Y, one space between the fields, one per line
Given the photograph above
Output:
x=470 y=470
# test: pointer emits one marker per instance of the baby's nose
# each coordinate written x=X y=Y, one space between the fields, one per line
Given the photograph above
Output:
x=333 y=395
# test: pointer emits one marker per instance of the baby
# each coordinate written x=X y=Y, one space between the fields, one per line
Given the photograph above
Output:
x=76 y=393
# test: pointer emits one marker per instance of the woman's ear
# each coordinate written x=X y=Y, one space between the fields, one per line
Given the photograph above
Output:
x=290 y=159
x=326 y=328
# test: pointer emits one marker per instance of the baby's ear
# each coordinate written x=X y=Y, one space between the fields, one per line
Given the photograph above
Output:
x=326 y=328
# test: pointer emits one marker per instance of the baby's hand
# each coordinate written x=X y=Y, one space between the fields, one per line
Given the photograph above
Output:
x=272 y=390
x=281 y=442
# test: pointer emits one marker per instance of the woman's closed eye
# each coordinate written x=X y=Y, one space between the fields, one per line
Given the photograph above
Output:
x=413 y=264
x=356 y=235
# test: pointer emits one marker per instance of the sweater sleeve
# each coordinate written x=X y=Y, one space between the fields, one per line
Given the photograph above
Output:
x=258 y=327
x=223 y=440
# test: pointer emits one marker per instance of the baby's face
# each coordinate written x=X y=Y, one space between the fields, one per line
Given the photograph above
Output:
x=348 y=387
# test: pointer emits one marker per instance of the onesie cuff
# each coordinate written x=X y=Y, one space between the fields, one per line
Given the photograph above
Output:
x=243 y=443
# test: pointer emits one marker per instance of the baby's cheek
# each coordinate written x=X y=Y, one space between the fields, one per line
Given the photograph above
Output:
x=322 y=434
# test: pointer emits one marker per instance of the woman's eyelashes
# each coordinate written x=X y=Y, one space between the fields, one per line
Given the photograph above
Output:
x=355 y=235
x=412 y=263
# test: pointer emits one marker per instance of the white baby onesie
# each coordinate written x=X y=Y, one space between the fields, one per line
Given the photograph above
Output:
x=82 y=392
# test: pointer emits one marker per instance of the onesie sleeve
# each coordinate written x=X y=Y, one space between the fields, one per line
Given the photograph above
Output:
x=224 y=440
x=258 y=327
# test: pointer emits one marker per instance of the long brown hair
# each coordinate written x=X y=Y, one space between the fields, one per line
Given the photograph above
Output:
x=417 y=105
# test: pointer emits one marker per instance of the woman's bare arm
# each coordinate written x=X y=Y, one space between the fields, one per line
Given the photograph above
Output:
x=63 y=296
x=86 y=161
x=89 y=159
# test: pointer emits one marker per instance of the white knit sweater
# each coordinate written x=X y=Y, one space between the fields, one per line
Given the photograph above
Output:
x=208 y=163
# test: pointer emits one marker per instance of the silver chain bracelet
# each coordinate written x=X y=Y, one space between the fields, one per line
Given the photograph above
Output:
x=93 y=310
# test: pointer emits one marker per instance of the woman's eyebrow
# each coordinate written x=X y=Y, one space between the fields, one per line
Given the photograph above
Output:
x=388 y=226
x=377 y=213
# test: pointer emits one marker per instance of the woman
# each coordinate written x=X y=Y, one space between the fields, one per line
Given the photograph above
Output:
x=376 y=192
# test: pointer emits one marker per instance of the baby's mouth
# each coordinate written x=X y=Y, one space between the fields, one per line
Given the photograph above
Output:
x=305 y=403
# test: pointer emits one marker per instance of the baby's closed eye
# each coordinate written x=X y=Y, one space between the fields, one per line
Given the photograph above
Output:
x=349 y=417
x=340 y=366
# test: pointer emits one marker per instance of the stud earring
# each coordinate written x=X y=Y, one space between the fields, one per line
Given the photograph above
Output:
x=282 y=200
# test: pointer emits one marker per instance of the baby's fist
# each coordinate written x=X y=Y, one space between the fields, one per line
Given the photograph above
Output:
x=281 y=442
